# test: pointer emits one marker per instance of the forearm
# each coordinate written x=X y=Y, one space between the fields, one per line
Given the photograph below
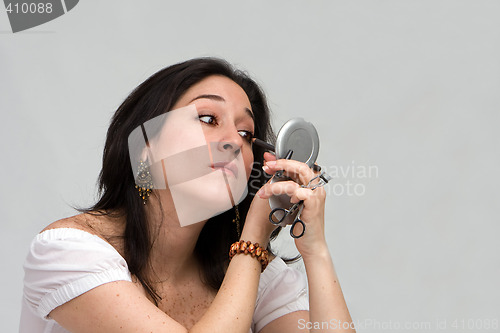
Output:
x=233 y=307
x=326 y=300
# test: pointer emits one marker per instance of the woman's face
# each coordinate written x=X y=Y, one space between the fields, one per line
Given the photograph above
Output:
x=205 y=149
x=225 y=114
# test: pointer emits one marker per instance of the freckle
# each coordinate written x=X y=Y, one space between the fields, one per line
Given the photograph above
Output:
x=149 y=317
x=117 y=295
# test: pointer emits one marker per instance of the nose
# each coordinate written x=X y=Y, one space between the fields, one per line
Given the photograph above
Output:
x=231 y=142
x=229 y=147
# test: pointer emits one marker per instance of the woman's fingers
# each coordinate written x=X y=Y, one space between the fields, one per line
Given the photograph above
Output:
x=290 y=188
x=301 y=194
x=298 y=171
x=269 y=157
x=285 y=187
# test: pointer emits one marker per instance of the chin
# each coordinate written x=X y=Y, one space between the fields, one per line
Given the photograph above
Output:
x=207 y=196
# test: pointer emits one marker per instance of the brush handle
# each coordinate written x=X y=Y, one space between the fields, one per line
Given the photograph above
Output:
x=263 y=144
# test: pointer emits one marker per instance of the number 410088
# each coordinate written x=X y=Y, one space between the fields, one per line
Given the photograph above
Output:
x=31 y=8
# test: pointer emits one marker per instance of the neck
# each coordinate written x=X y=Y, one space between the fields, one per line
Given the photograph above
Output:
x=172 y=252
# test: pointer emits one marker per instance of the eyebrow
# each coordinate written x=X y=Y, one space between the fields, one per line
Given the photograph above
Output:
x=218 y=98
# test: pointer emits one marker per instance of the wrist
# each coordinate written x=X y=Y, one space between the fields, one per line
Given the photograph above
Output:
x=319 y=253
x=255 y=250
x=255 y=236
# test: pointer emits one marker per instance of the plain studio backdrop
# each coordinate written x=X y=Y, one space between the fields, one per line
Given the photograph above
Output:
x=404 y=94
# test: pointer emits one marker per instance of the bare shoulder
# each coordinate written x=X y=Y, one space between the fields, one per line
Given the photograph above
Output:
x=75 y=222
x=100 y=225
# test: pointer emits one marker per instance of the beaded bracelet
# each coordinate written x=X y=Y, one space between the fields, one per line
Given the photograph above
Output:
x=249 y=248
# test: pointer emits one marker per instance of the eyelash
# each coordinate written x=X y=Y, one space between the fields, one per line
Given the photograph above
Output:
x=248 y=136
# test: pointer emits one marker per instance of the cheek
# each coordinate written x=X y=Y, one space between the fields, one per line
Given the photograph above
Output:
x=180 y=131
x=248 y=160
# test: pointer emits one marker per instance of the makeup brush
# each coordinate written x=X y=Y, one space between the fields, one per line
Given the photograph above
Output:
x=263 y=144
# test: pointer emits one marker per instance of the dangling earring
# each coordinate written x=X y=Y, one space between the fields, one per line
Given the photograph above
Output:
x=237 y=220
x=144 y=181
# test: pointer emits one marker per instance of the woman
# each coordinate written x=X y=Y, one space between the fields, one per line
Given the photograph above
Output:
x=135 y=262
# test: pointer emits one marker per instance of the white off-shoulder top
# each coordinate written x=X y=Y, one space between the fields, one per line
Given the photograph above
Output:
x=65 y=263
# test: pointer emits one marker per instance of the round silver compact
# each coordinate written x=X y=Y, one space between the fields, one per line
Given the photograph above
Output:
x=301 y=137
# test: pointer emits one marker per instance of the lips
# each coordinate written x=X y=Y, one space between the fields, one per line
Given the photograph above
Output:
x=227 y=167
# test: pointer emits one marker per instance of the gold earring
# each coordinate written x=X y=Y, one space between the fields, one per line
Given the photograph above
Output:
x=144 y=181
x=237 y=220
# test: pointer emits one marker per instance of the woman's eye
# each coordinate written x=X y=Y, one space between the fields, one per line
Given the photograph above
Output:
x=208 y=119
x=248 y=136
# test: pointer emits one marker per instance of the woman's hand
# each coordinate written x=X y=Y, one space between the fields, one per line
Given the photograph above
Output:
x=326 y=300
x=313 y=241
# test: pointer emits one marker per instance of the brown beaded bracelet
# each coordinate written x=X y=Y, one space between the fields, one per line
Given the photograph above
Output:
x=249 y=248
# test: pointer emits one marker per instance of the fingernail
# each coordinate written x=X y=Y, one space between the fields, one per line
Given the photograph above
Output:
x=271 y=163
x=260 y=193
x=265 y=168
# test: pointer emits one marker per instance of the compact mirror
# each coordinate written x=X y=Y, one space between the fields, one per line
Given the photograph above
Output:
x=301 y=137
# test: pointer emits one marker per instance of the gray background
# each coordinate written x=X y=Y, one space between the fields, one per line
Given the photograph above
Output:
x=411 y=87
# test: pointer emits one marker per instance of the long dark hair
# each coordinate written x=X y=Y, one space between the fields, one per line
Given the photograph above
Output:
x=152 y=98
